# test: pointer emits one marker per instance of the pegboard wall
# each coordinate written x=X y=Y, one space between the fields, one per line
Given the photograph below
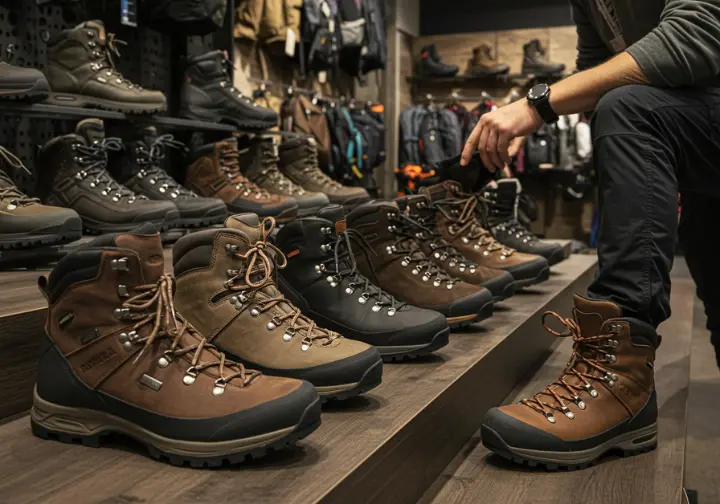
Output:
x=152 y=59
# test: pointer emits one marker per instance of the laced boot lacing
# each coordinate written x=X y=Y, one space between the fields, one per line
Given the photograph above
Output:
x=260 y=262
x=8 y=190
x=413 y=256
x=312 y=170
x=153 y=305
x=425 y=232
x=465 y=223
x=505 y=219
x=93 y=160
x=272 y=174
x=591 y=351
x=103 y=52
x=151 y=160
x=342 y=262
x=230 y=165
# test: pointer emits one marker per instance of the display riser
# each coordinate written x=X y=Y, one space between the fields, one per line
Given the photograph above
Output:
x=476 y=476
x=385 y=447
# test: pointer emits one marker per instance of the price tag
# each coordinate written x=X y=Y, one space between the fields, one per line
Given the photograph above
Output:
x=322 y=77
x=331 y=26
x=326 y=9
x=128 y=12
x=290 y=43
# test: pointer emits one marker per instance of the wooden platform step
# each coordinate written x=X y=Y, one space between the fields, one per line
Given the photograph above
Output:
x=386 y=447
x=478 y=477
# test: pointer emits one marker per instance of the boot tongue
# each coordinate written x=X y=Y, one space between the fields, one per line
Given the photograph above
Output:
x=92 y=130
x=148 y=135
x=446 y=190
x=145 y=241
x=591 y=314
x=247 y=223
x=336 y=215
x=97 y=26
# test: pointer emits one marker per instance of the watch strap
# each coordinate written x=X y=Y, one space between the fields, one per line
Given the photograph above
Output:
x=546 y=111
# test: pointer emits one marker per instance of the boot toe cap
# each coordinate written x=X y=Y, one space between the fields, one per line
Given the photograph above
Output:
x=418 y=326
x=157 y=211
x=471 y=304
x=502 y=430
x=529 y=269
x=201 y=207
x=500 y=285
x=346 y=370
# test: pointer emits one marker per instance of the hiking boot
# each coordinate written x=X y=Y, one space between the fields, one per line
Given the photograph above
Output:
x=259 y=163
x=214 y=172
x=604 y=400
x=138 y=167
x=120 y=358
x=503 y=197
x=431 y=64
x=483 y=64
x=334 y=294
x=72 y=172
x=457 y=220
x=535 y=61
x=81 y=72
x=299 y=163
x=389 y=256
x=226 y=287
x=24 y=222
x=421 y=221
x=19 y=83
x=209 y=95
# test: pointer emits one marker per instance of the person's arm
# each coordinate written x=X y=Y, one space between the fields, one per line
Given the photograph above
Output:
x=591 y=48
x=684 y=49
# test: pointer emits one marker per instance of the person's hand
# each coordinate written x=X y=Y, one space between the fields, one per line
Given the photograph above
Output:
x=499 y=134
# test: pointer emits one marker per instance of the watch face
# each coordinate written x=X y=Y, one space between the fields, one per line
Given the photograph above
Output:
x=538 y=92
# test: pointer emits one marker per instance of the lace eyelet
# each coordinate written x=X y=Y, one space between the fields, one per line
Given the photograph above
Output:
x=391 y=312
x=377 y=307
x=190 y=375
x=364 y=298
x=165 y=359
x=219 y=388
x=273 y=324
x=289 y=334
x=255 y=312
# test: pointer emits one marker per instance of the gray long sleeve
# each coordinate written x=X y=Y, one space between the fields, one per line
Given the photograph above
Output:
x=684 y=49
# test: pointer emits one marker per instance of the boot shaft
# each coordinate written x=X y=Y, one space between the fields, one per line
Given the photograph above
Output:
x=206 y=173
x=208 y=68
x=503 y=200
x=482 y=56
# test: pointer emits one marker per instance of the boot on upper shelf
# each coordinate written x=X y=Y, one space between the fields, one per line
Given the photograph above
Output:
x=503 y=197
x=139 y=167
x=120 y=358
x=299 y=163
x=421 y=221
x=390 y=257
x=323 y=280
x=24 y=222
x=457 y=217
x=81 y=72
x=20 y=83
x=483 y=64
x=226 y=287
x=431 y=64
x=259 y=162
x=213 y=171
x=72 y=172
x=535 y=61
x=605 y=399
x=208 y=94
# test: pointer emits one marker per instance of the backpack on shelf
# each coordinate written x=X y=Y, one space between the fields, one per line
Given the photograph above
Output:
x=321 y=38
x=187 y=17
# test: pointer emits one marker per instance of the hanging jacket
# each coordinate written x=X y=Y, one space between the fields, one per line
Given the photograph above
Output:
x=300 y=115
x=267 y=21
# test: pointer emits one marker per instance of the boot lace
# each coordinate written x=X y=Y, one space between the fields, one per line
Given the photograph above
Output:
x=466 y=224
x=8 y=189
x=504 y=218
x=342 y=262
x=152 y=158
x=103 y=52
x=252 y=284
x=314 y=173
x=413 y=256
x=153 y=306
x=230 y=165
x=591 y=351
x=93 y=161
x=271 y=174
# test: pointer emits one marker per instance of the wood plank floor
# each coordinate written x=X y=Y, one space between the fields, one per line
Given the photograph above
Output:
x=478 y=477
x=353 y=432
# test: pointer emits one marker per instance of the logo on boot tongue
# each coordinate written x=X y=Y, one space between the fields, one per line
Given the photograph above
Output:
x=341 y=226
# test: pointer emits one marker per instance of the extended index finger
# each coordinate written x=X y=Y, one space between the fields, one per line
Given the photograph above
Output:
x=471 y=145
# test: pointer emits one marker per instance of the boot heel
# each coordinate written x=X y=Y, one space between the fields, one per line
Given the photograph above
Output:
x=50 y=421
x=645 y=440
x=92 y=440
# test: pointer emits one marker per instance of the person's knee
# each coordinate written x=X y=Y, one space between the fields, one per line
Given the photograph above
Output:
x=619 y=108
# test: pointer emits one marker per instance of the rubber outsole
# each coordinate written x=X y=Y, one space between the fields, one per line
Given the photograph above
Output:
x=370 y=379
x=632 y=443
x=309 y=421
x=95 y=228
x=39 y=91
x=236 y=121
x=459 y=322
x=438 y=341
x=68 y=232
x=204 y=221
x=82 y=101
x=542 y=276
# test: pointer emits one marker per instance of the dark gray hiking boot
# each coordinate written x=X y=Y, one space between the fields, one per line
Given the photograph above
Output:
x=81 y=71
x=18 y=83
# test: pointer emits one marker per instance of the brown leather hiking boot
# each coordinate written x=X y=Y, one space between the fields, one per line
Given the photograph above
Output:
x=81 y=72
x=421 y=222
x=119 y=358
x=226 y=286
x=214 y=172
x=604 y=400
x=456 y=217
x=299 y=162
x=484 y=64
x=391 y=258
x=259 y=162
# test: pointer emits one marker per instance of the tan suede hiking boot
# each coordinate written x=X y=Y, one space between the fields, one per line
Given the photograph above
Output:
x=299 y=162
x=214 y=172
x=421 y=222
x=390 y=257
x=484 y=64
x=457 y=220
x=120 y=358
x=226 y=286
x=604 y=400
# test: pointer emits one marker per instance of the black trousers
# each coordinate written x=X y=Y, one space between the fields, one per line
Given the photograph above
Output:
x=651 y=144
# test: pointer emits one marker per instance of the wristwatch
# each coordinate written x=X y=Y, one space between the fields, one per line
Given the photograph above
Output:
x=539 y=97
